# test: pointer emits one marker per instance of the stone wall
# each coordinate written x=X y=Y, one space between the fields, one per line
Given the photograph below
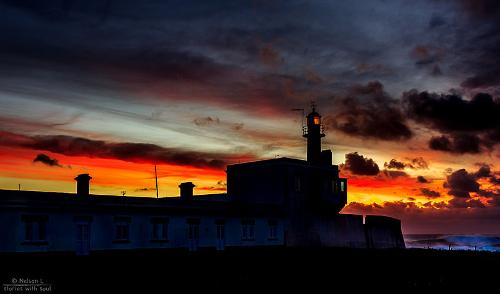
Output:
x=383 y=232
x=348 y=230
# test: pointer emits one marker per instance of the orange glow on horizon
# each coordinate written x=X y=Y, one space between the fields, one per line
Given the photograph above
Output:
x=111 y=176
x=108 y=175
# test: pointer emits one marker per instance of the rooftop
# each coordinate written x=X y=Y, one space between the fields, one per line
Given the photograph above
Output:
x=216 y=204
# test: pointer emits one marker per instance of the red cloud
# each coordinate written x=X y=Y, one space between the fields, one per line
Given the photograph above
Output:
x=127 y=151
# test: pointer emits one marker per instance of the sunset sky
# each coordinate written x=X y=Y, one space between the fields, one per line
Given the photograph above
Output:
x=409 y=92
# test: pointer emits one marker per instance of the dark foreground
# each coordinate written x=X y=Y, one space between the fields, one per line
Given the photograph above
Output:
x=252 y=270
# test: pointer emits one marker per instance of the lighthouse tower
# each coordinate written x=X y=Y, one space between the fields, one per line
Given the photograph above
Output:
x=313 y=132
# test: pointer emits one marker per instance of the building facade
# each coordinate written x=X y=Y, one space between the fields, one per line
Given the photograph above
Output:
x=58 y=222
x=277 y=202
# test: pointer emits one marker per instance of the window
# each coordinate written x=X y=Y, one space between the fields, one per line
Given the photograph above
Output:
x=159 y=229
x=220 y=229
x=82 y=231
x=122 y=229
x=83 y=234
x=193 y=229
x=298 y=184
x=334 y=186
x=35 y=228
x=316 y=120
x=248 y=230
x=273 y=230
x=342 y=186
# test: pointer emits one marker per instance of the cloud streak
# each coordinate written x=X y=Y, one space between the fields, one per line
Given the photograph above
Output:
x=47 y=160
x=126 y=151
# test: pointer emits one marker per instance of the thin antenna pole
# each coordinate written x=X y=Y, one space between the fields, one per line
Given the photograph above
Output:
x=156 y=179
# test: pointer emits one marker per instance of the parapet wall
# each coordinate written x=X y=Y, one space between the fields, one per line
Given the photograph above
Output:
x=343 y=230
x=383 y=232
x=348 y=230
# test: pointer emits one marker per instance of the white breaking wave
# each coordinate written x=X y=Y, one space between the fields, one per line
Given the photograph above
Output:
x=453 y=242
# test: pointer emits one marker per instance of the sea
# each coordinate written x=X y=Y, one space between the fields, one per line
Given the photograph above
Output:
x=453 y=242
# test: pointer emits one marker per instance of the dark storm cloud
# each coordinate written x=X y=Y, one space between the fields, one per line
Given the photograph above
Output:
x=394 y=173
x=495 y=180
x=458 y=143
x=491 y=138
x=47 y=160
x=453 y=113
x=460 y=183
x=403 y=209
x=481 y=8
x=250 y=56
x=163 y=37
x=245 y=54
x=485 y=172
x=367 y=111
x=459 y=202
x=495 y=201
x=469 y=125
x=430 y=193
x=422 y=180
x=359 y=165
x=482 y=80
x=158 y=48
x=482 y=60
x=126 y=151
x=135 y=152
x=413 y=163
x=51 y=32
x=492 y=193
x=442 y=143
x=102 y=10
x=394 y=164
x=160 y=61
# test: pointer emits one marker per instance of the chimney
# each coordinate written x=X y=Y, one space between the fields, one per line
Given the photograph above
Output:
x=186 y=190
x=83 y=184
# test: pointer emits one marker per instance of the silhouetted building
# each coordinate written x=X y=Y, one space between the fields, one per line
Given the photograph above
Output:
x=276 y=202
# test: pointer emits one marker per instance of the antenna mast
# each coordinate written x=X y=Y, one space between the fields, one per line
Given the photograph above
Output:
x=313 y=105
